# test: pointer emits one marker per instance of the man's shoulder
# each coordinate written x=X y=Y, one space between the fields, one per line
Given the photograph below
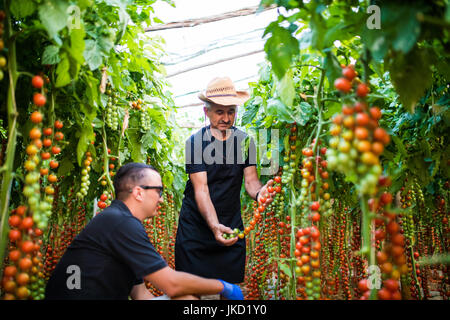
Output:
x=115 y=213
x=197 y=135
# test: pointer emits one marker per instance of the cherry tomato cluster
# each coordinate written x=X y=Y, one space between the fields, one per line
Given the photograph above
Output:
x=310 y=183
x=391 y=259
x=263 y=204
x=106 y=196
x=307 y=252
x=423 y=272
x=161 y=231
x=37 y=170
x=343 y=256
x=290 y=158
x=262 y=249
x=85 y=176
x=258 y=269
x=236 y=233
x=60 y=237
x=21 y=276
x=112 y=108
x=358 y=262
x=357 y=139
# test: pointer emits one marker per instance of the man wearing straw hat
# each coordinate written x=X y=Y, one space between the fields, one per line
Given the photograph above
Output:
x=211 y=207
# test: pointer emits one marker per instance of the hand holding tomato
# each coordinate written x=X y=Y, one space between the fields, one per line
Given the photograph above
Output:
x=219 y=230
x=264 y=194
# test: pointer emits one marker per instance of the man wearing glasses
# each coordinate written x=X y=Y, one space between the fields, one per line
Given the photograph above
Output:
x=112 y=256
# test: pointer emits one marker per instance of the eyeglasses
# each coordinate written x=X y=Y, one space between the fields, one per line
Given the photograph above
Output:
x=160 y=188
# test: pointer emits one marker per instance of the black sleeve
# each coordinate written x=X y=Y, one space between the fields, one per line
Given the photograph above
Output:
x=194 y=155
x=129 y=242
x=251 y=154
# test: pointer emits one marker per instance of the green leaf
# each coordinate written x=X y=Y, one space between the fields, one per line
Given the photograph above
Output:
x=332 y=67
x=167 y=179
x=86 y=136
x=399 y=145
x=89 y=111
x=77 y=45
x=92 y=54
x=84 y=4
x=425 y=148
x=303 y=113
x=319 y=28
x=376 y=41
x=51 y=55
x=286 y=88
x=22 y=8
x=399 y=29
x=62 y=72
x=447 y=13
x=53 y=15
x=65 y=167
x=331 y=109
x=403 y=26
x=251 y=110
x=278 y=109
x=92 y=90
x=336 y=32
x=106 y=43
x=178 y=182
x=137 y=152
x=281 y=49
x=411 y=76
x=148 y=140
x=443 y=67
x=124 y=18
x=285 y=268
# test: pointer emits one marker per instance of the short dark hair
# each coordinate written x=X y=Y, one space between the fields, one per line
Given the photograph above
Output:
x=129 y=176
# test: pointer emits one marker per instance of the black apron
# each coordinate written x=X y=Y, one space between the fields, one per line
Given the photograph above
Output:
x=196 y=249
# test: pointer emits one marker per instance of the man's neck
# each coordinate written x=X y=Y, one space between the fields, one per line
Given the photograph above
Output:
x=133 y=211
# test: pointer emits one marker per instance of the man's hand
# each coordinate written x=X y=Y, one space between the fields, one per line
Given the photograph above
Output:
x=231 y=291
x=264 y=193
x=218 y=231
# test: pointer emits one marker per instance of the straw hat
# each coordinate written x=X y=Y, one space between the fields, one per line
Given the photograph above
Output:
x=222 y=91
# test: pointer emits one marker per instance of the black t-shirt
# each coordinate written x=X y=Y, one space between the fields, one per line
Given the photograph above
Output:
x=112 y=254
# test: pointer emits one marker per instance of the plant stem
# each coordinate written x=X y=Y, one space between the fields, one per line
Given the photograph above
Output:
x=365 y=62
x=310 y=65
x=318 y=105
x=106 y=160
x=8 y=175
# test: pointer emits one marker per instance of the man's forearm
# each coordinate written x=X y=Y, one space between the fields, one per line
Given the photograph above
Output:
x=253 y=187
x=140 y=292
x=206 y=208
x=192 y=284
x=178 y=283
